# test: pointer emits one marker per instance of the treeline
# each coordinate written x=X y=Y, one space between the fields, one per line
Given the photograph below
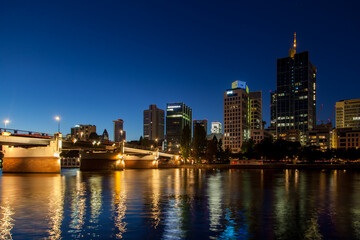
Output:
x=202 y=149
x=286 y=150
x=268 y=150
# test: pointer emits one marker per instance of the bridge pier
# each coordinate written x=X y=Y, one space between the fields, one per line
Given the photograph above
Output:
x=101 y=162
x=115 y=161
x=31 y=165
x=44 y=159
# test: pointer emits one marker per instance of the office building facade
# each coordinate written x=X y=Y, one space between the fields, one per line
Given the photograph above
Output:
x=216 y=127
x=295 y=97
x=154 y=123
x=82 y=132
x=255 y=110
x=178 y=115
x=348 y=113
x=236 y=116
x=201 y=123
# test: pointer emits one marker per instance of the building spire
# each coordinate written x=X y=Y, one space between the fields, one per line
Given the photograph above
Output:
x=292 y=51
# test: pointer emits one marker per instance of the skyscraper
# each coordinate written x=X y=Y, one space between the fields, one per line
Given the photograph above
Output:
x=295 y=94
x=119 y=133
x=236 y=116
x=202 y=123
x=154 y=123
x=255 y=110
x=178 y=115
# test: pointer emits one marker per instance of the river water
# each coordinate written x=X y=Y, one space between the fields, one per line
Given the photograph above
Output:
x=181 y=204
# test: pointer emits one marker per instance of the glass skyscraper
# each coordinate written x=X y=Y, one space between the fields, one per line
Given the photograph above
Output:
x=178 y=115
x=295 y=97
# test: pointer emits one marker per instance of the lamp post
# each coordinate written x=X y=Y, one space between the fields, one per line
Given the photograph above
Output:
x=57 y=118
x=6 y=122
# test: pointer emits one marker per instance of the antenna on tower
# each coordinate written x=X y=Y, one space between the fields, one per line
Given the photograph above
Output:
x=292 y=51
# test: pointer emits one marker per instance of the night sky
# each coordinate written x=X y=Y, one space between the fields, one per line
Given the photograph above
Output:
x=92 y=62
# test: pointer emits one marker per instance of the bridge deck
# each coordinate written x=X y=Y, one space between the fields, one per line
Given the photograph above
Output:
x=23 y=141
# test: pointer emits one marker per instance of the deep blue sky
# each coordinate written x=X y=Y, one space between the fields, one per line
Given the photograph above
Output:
x=92 y=62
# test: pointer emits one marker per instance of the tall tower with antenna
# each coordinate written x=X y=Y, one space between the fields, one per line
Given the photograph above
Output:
x=295 y=105
x=292 y=51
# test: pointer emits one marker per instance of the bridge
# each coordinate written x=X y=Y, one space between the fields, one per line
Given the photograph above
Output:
x=29 y=151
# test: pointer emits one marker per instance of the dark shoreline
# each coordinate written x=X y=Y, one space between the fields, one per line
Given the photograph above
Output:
x=273 y=166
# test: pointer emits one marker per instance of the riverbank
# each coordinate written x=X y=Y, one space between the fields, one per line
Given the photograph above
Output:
x=275 y=166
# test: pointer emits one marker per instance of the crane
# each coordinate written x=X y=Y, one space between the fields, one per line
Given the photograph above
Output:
x=317 y=119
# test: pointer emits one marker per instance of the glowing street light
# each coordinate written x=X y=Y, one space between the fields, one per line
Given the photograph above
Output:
x=6 y=122
x=57 y=118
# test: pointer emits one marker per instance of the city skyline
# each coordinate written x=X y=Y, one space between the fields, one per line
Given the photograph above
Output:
x=93 y=63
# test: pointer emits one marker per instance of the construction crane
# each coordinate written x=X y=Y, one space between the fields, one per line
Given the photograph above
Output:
x=317 y=119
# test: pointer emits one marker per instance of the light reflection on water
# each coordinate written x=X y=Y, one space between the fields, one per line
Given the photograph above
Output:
x=181 y=204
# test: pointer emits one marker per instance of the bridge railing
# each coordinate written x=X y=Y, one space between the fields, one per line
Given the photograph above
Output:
x=25 y=133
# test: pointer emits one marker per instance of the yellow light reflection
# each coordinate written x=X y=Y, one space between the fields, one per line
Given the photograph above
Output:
x=56 y=207
x=155 y=209
x=95 y=198
x=215 y=192
x=119 y=203
x=6 y=221
x=78 y=205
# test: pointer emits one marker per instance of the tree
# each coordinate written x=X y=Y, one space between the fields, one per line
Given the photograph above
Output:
x=265 y=148
x=248 y=148
x=211 y=149
x=199 y=143
x=93 y=137
x=185 y=143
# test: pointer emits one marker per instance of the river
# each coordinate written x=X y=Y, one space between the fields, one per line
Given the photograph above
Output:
x=181 y=204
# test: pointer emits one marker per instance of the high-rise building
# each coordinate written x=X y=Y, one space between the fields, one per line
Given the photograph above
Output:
x=216 y=127
x=201 y=123
x=154 y=119
x=255 y=110
x=119 y=133
x=236 y=116
x=178 y=115
x=348 y=114
x=82 y=132
x=295 y=96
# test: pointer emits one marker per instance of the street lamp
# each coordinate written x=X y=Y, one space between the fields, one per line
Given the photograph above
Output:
x=57 y=118
x=6 y=122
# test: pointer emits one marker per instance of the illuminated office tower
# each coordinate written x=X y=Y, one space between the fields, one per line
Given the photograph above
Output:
x=216 y=127
x=236 y=116
x=295 y=95
x=154 y=119
x=348 y=113
x=178 y=115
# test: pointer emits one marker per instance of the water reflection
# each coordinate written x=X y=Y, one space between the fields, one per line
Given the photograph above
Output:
x=55 y=212
x=6 y=220
x=215 y=201
x=173 y=222
x=119 y=204
x=78 y=207
x=181 y=204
